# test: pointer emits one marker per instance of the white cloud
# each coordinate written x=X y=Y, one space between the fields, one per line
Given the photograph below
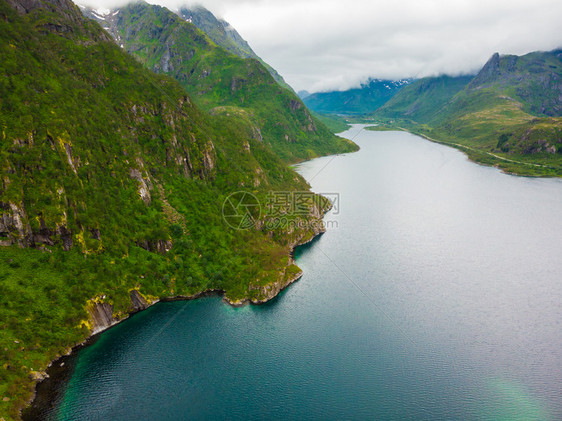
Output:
x=329 y=44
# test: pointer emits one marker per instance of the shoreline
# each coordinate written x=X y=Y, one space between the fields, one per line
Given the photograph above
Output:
x=46 y=384
x=46 y=388
x=467 y=149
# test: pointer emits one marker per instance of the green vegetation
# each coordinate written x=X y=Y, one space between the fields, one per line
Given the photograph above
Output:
x=334 y=123
x=485 y=149
x=424 y=98
x=226 y=37
x=509 y=115
x=221 y=82
x=112 y=179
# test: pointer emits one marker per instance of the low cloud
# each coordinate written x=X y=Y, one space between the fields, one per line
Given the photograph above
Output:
x=327 y=44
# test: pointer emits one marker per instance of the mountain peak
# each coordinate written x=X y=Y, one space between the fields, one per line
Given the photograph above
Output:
x=493 y=63
x=225 y=35
x=488 y=73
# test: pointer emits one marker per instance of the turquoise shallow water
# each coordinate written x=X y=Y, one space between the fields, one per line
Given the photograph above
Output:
x=435 y=294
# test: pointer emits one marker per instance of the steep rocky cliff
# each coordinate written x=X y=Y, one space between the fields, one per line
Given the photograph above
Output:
x=535 y=79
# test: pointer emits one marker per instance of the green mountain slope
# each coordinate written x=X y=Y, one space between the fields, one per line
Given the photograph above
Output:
x=424 y=98
x=535 y=79
x=363 y=100
x=113 y=185
x=508 y=115
x=225 y=36
x=223 y=83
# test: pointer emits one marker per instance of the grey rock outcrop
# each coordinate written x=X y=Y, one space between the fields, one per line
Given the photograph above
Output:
x=101 y=316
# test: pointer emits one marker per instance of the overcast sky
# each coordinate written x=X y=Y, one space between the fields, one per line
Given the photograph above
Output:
x=334 y=44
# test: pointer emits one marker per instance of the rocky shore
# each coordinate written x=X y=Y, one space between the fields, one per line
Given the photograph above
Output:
x=102 y=318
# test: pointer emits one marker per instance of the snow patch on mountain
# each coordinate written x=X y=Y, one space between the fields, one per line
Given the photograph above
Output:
x=102 y=12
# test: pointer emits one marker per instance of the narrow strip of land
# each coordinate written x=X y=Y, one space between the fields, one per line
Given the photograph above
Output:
x=474 y=149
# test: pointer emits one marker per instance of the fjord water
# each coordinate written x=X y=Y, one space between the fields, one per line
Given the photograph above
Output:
x=435 y=294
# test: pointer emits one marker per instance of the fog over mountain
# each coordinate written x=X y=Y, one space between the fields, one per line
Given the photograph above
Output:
x=321 y=45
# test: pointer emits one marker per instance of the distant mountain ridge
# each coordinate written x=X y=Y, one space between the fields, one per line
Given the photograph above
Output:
x=511 y=109
x=424 y=98
x=367 y=98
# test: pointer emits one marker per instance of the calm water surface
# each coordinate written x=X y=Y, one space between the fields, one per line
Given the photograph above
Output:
x=435 y=294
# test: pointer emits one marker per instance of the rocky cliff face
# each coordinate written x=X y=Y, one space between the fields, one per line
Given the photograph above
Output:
x=102 y=316
x=138 y=301
x=14 y=227
x=536 y=78
x=270 y=291
x=16 y=230
x=488 y=74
